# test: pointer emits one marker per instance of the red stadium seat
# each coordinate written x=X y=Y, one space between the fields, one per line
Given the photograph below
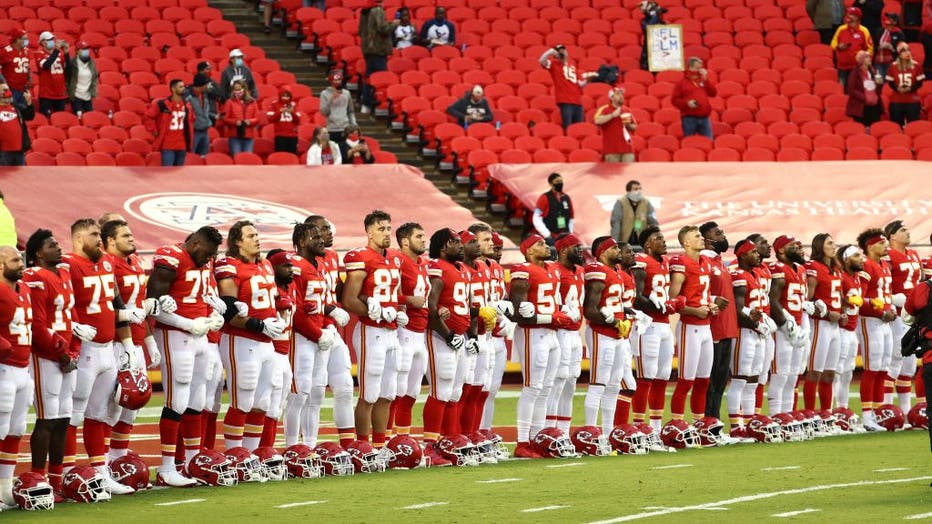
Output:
x=653 y=154
x=584 y=155
x=724 y=155
x=792 y=154
x=797 y=141
x=896 y=153
x=529 y=143
x=35 y=158
x=849 y=128
x=515 y=156
x=46 y=145
x=861 y=153
x=281 y=158
x=884 y=128
x=100 y=159
x=758 y=154
x=70 y=159
x=768 y=142
x=76 y=145
x=895 y=140
x=688 y=154
x=827 y=153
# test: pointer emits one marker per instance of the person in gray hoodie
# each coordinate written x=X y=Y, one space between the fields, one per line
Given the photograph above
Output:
x=205 y=112
x=336 y=104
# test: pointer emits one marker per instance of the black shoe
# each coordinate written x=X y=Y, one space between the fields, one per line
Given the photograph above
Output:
x=267 y=30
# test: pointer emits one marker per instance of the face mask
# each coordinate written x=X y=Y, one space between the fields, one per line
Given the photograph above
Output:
x=49 y=44
x=84 y=54
x=25 y=42
x=237 y=94
x=6 y=93
x=353 y=136
x=238 y=62
x=634 y=196
x=558 y=187
x=720 y=246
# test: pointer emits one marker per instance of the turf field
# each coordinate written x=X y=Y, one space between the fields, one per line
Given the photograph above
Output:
x=853 y=478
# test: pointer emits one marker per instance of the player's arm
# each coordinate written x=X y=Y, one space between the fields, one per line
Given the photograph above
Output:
x=518 y=296
x=228 y=291
x=352 y=302
x=160 y=281
x=43 y=336
x=811 y=284
x=591 y=309
x=433 y=308
x=776 y=306
x=745 y=318
x=676 y=285
x=640 y=301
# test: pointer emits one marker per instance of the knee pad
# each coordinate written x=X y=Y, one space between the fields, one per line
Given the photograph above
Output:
x=316 y=397
x=247 y=375
x=445 y=367
x=342 y=386
x=182 y=367
x=7 y=397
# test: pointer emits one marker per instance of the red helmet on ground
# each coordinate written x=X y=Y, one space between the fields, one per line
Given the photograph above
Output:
x=84 y=484
x=628 y=439
x=651 y=437
x=248 y=468
x=890 y=417
x=553 y=443
x=334 y=459
x=487 y=450
x=791 y=429
x=403 y=452
x=133 y=388
x=846 y=419
x=805 y=423
x=497 y=442
x=302 y=463
x=828 y=421
x=678 y=434
x=918 y=417
x=272 y=463
x=212 y=468
x=130 y=470
x=588 y=440
x=459 y=450
x=366 y=459
x=710 y=432
x=32 y=492
x=764 y=429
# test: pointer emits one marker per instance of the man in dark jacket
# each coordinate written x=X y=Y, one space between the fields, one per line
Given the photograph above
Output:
x=473 y=107
x=14 y=138
x=375 y=35
x=205 y=112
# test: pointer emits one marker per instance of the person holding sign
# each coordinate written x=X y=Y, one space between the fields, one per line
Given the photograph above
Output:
x=691 y=96
x=617 y=125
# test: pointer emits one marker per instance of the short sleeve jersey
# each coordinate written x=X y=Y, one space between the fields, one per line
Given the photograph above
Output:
x=695 y=286
x=455 y=293
x=850 y=285
x=94 y=288
x=572 y=289
x=612 y=294
x=794 y=288
x=52 y=302
x=751 y=282
x=828 y=285
x=656 y=281
x=282 y=343
x=16 y=324
x=255 y=284
x=191 y=282
x=875 y=282
x=415 y=282
x=905 y=269
x=131 y=281
x=382 y=281
x=543 y=287
x=765 y=277
x=310 y=290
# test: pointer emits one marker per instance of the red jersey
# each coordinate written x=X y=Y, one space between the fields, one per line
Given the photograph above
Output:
x=52 y=300
x=572 y=289
x=876 y=282
x=794 y=288
x=857 y=39
x=612 y=294
x=282 y=343
x=311 y=290
x=905 y=269
x=850 y=286
x=285 y=124
x=565 y=82
x=927 y=268
x=16 y=324
x=616 y=139
x=764 y=277
x=753 y=297
x=480 y=279
x=828 y=285
x=191 y=282
x=383 y=278
x=543 y=287
x=696 y=285
x=11 y=131
x=172 y=122
x=51 y=67
x=455 y=293
x=723 y=326
x=131 y=283
x=498 y=290
x=630 y=293
x=907 y=76
x=94 y=288
x=329 y=268
x=656 y=281
x=415 y=282
x=14 y=65
x=255 y=284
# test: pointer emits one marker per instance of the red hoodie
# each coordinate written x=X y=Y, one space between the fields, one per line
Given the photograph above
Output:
x=286 y=123
x=694 y=89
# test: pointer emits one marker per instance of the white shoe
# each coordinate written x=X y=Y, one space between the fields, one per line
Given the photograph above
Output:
x=906 y=426
x=113 y=487
x=870 y=425
x=174 y=479
x=364 y=110
x=7 y=507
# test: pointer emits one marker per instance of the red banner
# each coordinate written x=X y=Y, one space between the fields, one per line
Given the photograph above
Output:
x=800 y=198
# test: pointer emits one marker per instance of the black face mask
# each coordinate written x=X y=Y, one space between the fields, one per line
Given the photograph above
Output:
x=558 y=187
x=720 y=246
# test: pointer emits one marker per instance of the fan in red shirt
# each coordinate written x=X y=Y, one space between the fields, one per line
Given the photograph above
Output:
x=567 y=83
x=52 y=62
x=171 y=121
x=241 y=117
x=617 y=124
x=691 y=97
x=905 y=77
x=286 y=119
x=14 y=64
x=849 y=39
x=14 y=138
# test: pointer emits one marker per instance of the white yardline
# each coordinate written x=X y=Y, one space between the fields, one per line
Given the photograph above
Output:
x=425 y=505
x=888 y=470
x=794 y=513
x=752 y=498
x=567 y=465
x=297 y=504
x=177 y=502
x=780 y=468
x=673 y=466
x=497 y=481
x=544 y=508
x=919 y=516
x=651 y=508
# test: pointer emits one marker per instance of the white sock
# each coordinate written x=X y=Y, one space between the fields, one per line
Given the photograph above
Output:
x=566 y=404
x=842 y=388
x=525 y=412
x=888 y=397
x=733 y=398
x=553 y=402
x=748 y=399
x=609 y=402
x=656 y=423
x=539 y=415
x=775 y=394
x=592 y=402
x=311 y=416
x=343 y=415
x=905 y=401
x=488 y=411
x=251 y=443
x=293 y=409
x=6 y=491
x=114 y=454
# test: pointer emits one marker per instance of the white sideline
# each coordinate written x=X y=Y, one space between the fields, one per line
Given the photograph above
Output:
x=425 y=505
x=567 y=465
x=919 y=516
x=673 y=466
x=296 y=504
x=177 y=502
x=497 y=481
x=544 y=508
x=794 y=513
x=780 y=468
x=757 y=496
x=888 y=470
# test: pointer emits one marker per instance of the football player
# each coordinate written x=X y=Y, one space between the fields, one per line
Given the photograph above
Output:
x=877 y=314
x=724 y=327
x=183 y=274
x=283 y=265
x=906 y=270
x=16 y=387
x=824 y=303
x=639 y=323
x=689 y=280
x=415 y=287
x=787 y=293
x=339 y=366
x=371 y=291
x=504 y=329
x=477 y=240
x=569 y=269
x=762 y=271
x=852 y=263
x=53 y=358
x=247 y=351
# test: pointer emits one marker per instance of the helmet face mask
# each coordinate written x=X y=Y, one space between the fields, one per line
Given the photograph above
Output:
x=710 y=430
x=84 y=484
x=764 y=429
x=334 y=459
x=302 y=462
x=628 y=440
x=33 y=493
x=589 y=440
x=678 y=434
x=272 y=463
x=551 y=442
x=213 y=468
x=247 y=466
x=459 y=450
x=366 y=459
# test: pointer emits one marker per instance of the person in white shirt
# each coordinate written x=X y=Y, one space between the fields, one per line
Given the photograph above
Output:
x=405 y=33
x=323 y=151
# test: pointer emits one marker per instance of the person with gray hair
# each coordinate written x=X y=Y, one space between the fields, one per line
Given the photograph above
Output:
x=691 y=96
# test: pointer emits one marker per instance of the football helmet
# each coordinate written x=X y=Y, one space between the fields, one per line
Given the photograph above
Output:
x=133 y=388
x=710 y=432
x=764 y=429
x=588 y=440
x=917 y=416
x=212 y=468
x=459 y=450
x=272 y=463
x=890 y=417
x=497 y=442
x=487 y=450
x=247 y=466
x=552 y=443
x=813 y=421
x=846 y=419
x=628 y=440
x=806 y=427
x=301 y=462
x=828 y=422
x=84 y=484
x=130 y=470
x=677 y=434
x=334 y=459
x=791 y=429
x=32 y=492
x=651 y=437
x=403 y=452
x=366 y=459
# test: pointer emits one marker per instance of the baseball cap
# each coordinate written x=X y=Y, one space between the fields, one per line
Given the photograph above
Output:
x=17 y=34
x=46 y=35
x=853 y=11
x=201 y=80
x=236 y=53
x=82 y=45
x=203 y=65
x=477 y=90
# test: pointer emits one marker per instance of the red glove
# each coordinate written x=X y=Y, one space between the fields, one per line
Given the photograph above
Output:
x=676 y=305
x=6 y=349
x=310 y=308
x=560 y=319
x=283 y=303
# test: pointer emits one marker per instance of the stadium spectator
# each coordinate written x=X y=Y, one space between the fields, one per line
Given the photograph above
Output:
x=850 y=39
x=405 y=33
x=864 y=86
x=241 y=116
x=237 y=70
x=286 y=119
x=871 y=12
x=887 y=40
x=632 y=214
x=170 y=120
x=691 y=96
x=438 y=30
x=83 y=79
x=826 y=16
x=336 y=104
x=567 y=83
x=14 y=64
x=904 y=77
x=323 y=151
x=553 y=213
x=267 y=15
x=14 y=137
x=473 y=107
x=213 y=91
x=205 y=113
x=617 y=124
x=354 y=149
x=653 y=15
x=52 y=59
x=375 y=35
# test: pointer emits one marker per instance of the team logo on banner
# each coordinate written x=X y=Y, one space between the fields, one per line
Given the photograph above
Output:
x=186 y=212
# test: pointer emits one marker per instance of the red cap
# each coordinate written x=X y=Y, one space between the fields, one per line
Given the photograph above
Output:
x=605 y=246
x=282 y=257
x=567 y=241
x=530 y=241
x=335 y=76
x=782 y=241
x=466 y=236
x=853 y=11
x=17 y=34
x=82 y=45
x=497 y=240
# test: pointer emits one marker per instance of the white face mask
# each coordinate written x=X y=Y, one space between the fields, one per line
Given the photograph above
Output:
x=635 y=196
